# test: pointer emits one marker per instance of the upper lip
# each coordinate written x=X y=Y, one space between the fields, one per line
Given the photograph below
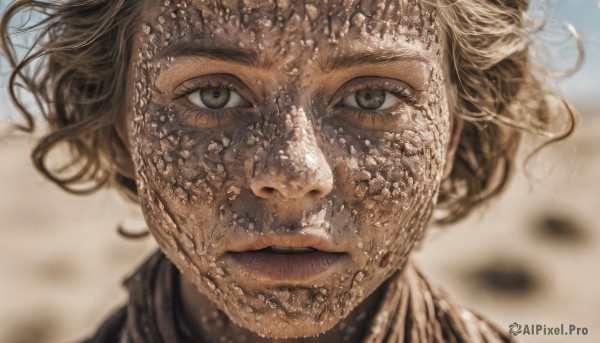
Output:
x=288 y=240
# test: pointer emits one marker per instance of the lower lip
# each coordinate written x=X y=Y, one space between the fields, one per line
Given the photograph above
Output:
x=287 y=267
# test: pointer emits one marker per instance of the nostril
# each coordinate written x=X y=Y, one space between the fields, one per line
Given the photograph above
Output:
x=268 y=190
x=263 y=191
x=315 y=193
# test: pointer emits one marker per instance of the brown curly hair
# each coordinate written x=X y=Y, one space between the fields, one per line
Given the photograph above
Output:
x=84 y=47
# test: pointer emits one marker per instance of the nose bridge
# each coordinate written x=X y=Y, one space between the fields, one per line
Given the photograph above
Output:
x=294 y=165
x=298 y=132
x=297 y=148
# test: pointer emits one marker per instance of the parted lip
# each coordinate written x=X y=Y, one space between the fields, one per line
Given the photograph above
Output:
x=287 y=240
x=253 y=259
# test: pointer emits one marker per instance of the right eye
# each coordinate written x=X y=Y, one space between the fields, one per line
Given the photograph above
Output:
x=212 y=100
x=215 y=98
x=371 y=100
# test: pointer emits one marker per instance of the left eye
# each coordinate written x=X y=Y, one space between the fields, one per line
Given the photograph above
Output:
x=370 y=100
x=215 y=98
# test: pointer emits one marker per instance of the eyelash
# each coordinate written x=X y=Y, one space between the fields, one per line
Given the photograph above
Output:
x=405 y=93
x=192 y=86
x=213 y=117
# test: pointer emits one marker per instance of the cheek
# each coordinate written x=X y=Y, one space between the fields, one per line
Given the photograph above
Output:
x=175 y=169
x=390 y=180
x=189 y=182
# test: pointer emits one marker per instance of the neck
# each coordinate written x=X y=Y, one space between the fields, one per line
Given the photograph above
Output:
x=206 y=321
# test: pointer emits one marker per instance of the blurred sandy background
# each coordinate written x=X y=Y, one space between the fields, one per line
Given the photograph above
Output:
x=531 y=258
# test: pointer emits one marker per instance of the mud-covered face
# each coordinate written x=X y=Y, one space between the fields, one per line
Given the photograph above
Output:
x=288 y=153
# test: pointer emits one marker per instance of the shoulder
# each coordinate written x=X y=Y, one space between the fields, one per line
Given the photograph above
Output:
x=415 y=310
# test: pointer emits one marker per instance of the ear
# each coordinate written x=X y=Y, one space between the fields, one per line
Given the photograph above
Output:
x=121 y=153
x=456 y=133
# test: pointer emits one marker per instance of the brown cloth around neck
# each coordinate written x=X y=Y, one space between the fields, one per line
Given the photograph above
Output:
x=411 y=311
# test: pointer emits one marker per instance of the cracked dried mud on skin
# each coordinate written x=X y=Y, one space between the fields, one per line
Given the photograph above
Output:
x=194 y=183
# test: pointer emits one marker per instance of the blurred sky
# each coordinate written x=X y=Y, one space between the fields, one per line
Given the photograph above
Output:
x=582 y=88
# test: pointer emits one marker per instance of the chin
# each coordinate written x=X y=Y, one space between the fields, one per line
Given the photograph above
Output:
x=287 y=311
x=276 y=325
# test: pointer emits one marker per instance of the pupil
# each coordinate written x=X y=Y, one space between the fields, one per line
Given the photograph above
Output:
x=215 y=98
x=370 y=99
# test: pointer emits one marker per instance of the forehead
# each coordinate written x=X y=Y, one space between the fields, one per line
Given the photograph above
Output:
x=287 y=29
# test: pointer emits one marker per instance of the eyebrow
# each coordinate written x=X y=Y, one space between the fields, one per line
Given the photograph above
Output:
x=234 y=55
x=373 y=58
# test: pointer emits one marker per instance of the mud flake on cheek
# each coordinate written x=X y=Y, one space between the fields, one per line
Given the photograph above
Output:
x=378 y=186
x=232 y=193
x=358 y=20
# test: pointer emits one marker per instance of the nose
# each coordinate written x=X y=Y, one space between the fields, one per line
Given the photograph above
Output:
x=295 y=167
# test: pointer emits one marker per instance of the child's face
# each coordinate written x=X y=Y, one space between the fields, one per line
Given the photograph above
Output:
x=321 y=127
